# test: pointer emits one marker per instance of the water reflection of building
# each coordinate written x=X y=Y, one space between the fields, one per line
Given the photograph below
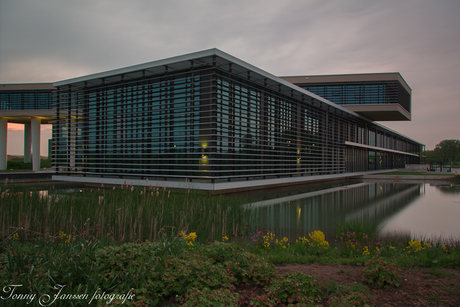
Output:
x=367 y=202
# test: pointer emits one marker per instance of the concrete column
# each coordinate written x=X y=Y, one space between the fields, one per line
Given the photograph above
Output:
x=3 y=142
x=27 y=142
x=35 y=131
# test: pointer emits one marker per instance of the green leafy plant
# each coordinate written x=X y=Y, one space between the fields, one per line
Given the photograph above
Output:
x=333 y=288
x=193 y=271
x=351 y=299
x=295 y=287
x=262 y=301
x=244 y=266
x=381 y=274
x=207 y=297
x=41 y=265
x=131 y=265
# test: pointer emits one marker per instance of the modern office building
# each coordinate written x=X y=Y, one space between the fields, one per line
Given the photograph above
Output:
x=28 y=104
x=210 y=121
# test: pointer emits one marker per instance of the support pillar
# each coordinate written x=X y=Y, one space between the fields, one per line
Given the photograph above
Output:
x=27 y=142
x=35 y=132
x=3 y=142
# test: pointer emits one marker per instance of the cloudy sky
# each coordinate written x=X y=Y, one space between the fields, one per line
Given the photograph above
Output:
x=52 y=40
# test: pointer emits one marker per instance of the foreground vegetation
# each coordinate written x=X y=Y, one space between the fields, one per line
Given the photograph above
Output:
x=104 y=247
x=180 y=271
x=121 y=213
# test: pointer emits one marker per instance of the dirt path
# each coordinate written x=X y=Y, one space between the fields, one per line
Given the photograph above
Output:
x=421 y=286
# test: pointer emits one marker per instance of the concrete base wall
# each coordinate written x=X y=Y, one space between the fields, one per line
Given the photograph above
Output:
x=417 y=167
x=222 y=187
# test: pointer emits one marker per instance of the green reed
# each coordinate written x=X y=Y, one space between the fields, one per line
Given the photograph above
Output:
x=122 y=213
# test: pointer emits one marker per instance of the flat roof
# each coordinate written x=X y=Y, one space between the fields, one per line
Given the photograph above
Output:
x=27 y=87
x=348 y=78
x=184 y=62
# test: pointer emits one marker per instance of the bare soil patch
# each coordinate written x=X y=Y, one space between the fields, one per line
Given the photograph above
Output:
x=421 y=286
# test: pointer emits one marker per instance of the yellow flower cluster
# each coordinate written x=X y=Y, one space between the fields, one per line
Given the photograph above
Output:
x=366 y=251
x=283 y=243
x=444 y=247
x=303 y=240
x=268 y=238
x=317 y=239
x=350 y=245
x=64 y=237
x=189 y=238
x=16 y=236
x=415 y=246
x=225 y=239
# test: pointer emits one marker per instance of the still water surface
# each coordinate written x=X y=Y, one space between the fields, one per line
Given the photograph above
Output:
x=422 y=210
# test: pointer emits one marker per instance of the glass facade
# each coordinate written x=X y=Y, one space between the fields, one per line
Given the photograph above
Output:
x=210 y=119
x=25 y=100
x=384 y=92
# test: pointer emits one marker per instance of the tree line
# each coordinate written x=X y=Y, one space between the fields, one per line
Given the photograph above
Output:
x=444 y=153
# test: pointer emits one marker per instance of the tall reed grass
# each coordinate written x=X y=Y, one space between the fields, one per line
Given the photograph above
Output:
x=122 y=213
x=356 y=226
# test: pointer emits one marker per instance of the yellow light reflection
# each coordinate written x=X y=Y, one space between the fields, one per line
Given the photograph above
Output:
x=204 y=163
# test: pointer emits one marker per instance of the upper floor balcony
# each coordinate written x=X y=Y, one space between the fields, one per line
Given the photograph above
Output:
x=377 y=96
x=20 y=102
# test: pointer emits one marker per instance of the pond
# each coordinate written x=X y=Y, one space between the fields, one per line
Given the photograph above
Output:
x=419 y=209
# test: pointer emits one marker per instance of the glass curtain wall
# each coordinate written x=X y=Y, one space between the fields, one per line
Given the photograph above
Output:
x=216 y=122
x=389 y=92
x=26 y=100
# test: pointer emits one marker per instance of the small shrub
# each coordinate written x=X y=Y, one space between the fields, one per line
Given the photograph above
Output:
x=332 y=288
x=381 y=274
x=244 y=266
x=131 y=265
x=295 y=287
x=262 y=301
x=207 y=297
x=260 y=272
x=351 y=299
x=194 y=271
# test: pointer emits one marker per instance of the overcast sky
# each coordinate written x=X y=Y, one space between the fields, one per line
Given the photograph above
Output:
x=52 y=40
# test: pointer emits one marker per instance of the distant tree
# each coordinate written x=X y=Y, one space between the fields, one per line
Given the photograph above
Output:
x=447 y=151
x=431 y=157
